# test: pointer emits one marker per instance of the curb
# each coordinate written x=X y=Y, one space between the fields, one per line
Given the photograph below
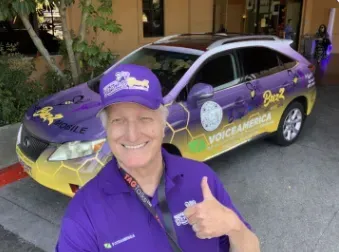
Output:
x=8 y=137
x=11 y=174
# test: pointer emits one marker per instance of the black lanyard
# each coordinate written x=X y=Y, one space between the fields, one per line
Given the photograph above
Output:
x=168 y=223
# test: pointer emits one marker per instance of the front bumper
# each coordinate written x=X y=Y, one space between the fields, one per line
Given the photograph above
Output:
x=62 y=176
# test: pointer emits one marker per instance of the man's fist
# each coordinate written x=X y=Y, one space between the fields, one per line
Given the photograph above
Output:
x=209 y=218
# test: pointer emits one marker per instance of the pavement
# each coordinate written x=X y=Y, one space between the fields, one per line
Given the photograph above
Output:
x=288 y=194
x=8 y=136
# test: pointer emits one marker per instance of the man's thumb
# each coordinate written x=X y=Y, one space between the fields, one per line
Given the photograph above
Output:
x=206 y=191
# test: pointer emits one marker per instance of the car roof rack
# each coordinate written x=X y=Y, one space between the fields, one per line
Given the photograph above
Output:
x=164 y=39
x=243 y=38
x=223 y=38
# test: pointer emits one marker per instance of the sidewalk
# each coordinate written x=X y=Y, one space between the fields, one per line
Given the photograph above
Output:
x=8 y=136
x=327 y=73
x=10 y=169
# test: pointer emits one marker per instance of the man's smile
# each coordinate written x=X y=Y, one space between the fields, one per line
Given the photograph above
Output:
x=135 y=146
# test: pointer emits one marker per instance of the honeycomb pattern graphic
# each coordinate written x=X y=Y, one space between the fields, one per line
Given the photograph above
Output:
x=84 y=169
x=190 y=134
x=79 y=172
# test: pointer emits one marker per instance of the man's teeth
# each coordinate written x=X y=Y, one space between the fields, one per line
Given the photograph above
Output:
x=135 y=146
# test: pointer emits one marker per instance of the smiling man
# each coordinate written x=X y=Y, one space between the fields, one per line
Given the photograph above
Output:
x=146 y=199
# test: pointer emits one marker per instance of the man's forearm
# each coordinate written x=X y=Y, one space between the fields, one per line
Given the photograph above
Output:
x=244 y=240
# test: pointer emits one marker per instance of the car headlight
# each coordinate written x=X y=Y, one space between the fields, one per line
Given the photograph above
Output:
x=76 y=149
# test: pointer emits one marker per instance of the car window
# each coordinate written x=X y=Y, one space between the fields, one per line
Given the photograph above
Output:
x=258 y=62
x=286 y=61
x=220 y=72
x=168 y=66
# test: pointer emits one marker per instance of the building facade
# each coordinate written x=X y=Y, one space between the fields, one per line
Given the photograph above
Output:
x=317 y=12
x=144 y=21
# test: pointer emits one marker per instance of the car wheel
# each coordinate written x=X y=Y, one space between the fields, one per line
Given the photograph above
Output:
x=291 y=124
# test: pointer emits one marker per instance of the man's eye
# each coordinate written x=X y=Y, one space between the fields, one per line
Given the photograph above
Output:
x=146 y=119
x=117 y=120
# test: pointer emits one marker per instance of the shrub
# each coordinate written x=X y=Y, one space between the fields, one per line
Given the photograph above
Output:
x=17 y=92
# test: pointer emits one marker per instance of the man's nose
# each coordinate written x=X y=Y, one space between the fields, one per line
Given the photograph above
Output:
x=132 y=132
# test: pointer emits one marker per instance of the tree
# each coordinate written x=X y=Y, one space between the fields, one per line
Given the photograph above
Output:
x=81 y=55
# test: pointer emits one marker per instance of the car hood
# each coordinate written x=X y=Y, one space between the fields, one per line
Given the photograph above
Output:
x=69 y=115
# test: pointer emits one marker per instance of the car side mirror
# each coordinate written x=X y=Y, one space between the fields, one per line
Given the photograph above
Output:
x=198 y=92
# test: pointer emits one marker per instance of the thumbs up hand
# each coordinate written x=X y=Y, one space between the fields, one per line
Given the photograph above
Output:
x=209 y=218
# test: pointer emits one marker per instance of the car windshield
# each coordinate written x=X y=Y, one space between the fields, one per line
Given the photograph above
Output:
x=168 y=66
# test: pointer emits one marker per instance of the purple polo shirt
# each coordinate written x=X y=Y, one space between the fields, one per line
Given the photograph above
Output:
x=106 y=215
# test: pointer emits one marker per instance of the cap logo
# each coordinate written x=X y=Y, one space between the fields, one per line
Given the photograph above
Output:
x=123 y=81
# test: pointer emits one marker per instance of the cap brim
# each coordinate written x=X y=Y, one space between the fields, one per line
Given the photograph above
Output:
x=131 y=99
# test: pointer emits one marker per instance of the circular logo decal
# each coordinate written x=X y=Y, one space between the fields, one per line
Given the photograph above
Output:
x=211 y=115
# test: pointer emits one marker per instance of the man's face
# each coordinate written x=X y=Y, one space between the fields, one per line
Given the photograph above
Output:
x=135 y=134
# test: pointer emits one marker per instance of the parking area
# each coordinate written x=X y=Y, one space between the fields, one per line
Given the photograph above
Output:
x=289 y=195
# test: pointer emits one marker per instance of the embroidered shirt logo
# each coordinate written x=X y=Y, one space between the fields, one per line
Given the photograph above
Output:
x=112 y=244
x=190 y=203
x=124 y=80
x=180 y=218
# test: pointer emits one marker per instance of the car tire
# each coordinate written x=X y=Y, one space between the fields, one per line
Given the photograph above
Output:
x=290 y=125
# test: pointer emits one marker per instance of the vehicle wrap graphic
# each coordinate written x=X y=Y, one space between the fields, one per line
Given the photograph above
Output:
x=196 y=143
x=239 y=123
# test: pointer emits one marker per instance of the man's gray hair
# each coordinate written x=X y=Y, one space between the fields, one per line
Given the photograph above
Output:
x=162 y=109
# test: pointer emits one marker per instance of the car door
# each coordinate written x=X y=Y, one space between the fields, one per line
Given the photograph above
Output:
x=215 y=116
x=267 y=80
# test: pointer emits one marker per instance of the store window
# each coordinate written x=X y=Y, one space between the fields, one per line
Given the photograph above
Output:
x=153 y=18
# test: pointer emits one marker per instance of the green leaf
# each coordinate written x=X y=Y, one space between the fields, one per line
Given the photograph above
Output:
x=5 y=13
x=80 y=47
x=105 y=10
x=112 y=26
x=24 y=7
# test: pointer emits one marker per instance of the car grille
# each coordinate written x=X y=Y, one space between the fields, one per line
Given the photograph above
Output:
x=31 y=146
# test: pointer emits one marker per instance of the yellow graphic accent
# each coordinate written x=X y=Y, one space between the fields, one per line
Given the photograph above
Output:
x=131 y=82
x=252 y=93
x=295 y=80
x=52 y=174
x=168 y=104
x=181 y=129
x=272 y=98
x=46 y=115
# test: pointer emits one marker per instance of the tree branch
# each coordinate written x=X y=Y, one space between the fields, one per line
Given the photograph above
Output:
x=82 y=30
x=69 y=42
x=39 y=45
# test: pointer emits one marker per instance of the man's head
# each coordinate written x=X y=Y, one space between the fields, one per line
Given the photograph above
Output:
x=133 y=114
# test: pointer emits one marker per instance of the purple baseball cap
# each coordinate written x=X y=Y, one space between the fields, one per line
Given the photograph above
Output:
x=131 y=83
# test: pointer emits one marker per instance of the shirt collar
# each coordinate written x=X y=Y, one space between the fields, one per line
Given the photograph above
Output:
x=111 y=181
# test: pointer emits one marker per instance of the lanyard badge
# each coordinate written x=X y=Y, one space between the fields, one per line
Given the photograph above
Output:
x=163 y=205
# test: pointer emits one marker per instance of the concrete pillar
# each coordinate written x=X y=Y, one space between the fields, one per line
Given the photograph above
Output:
x=331 y=22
